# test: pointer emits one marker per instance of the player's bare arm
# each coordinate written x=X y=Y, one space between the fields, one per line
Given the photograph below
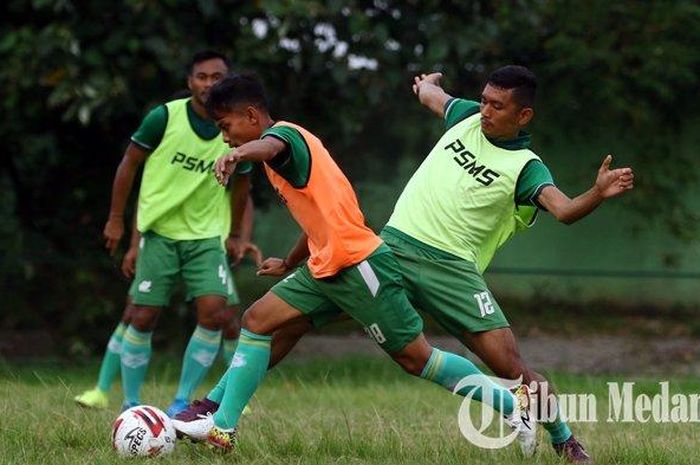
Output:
x=239 y=204
x=255 y=151
x=609 y=183
x=246 y=234
x=274 y=266
x=129 y=260
x=429 y=92
x=134 y=156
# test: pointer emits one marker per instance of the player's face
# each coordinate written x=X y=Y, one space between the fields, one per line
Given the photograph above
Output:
x=204 y=75
x=239 y=126
x=501 y=116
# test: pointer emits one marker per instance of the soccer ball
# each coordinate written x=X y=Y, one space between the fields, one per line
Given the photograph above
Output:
x=143 y=431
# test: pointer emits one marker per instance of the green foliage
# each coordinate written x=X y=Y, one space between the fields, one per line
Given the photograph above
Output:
x=78 y=76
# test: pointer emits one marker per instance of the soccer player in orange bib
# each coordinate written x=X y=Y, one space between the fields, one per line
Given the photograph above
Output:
x=347 y=267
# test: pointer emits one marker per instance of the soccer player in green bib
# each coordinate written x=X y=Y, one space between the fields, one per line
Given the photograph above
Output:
x=181 y=215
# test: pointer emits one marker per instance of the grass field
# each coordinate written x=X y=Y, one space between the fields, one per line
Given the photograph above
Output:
x=358 y=410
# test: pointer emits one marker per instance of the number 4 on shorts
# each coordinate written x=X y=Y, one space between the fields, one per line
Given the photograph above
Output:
x=483 y=299
x=222 y=274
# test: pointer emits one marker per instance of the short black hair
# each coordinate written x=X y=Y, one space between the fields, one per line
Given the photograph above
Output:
x=205 y=55
x=520 y=79
x=233 y=90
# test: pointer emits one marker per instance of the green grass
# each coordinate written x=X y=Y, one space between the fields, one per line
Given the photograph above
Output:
x=350 y=411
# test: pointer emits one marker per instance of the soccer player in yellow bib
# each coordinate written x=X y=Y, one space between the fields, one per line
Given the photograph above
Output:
x=181 y=215
x=477 y=187
x=97 y=397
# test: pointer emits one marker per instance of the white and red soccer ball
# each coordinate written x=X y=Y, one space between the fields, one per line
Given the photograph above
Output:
x=143 y=431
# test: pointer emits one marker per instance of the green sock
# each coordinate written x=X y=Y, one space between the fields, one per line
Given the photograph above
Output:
x=111 y=362
x=557 y=429
x=228 y=348
x=199 y=356
x=136 y=353
x=447 y=369
x=243 y=377
x=217 y=394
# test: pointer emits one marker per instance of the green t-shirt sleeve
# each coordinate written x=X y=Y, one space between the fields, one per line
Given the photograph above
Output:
x=150 y=132
x=459 y=109
x=294 y=163
x=533 y=178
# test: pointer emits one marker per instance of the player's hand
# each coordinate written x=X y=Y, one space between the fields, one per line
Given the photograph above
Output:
x=113 y=232
x=273 y=267
x=129 y=262
x=225 y=166
x=423 y=79
x=613 y=182
x=234 y=248
x=254 y=253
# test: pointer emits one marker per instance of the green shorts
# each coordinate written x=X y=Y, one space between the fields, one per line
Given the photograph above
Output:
x=449 y=289
x=161 y=262
x=232 y=299
x=370 y=292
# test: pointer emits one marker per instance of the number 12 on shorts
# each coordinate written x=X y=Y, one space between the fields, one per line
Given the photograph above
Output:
x=483 y=299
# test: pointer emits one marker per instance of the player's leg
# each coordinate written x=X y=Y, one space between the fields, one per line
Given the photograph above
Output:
x=230 y=332
x=249 y=366
x=231 y=324
x=283 y=340
x=157 y=267
x=111 y=365
x=454 y=293
x=287 y=304
x=207 y=277
x=136 y=352
x=499 y=350
x=372 y=293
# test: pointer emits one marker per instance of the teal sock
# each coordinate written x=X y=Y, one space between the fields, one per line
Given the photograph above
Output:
x=136 y=353
x=111 y=362
x=228 y=348
x=243 y=377
x=557 y=429
x=217 y=394
x=447 y=369
x=199 y=356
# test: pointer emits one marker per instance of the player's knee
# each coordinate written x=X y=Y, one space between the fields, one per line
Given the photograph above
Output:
x=209 y=320
x=210 y=312
x=254 y=320
x=144 y=319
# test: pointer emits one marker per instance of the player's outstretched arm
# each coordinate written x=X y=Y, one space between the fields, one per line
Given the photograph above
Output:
x=429 y=92
x=134 y=157
x=609 y=183
x=256 y=150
